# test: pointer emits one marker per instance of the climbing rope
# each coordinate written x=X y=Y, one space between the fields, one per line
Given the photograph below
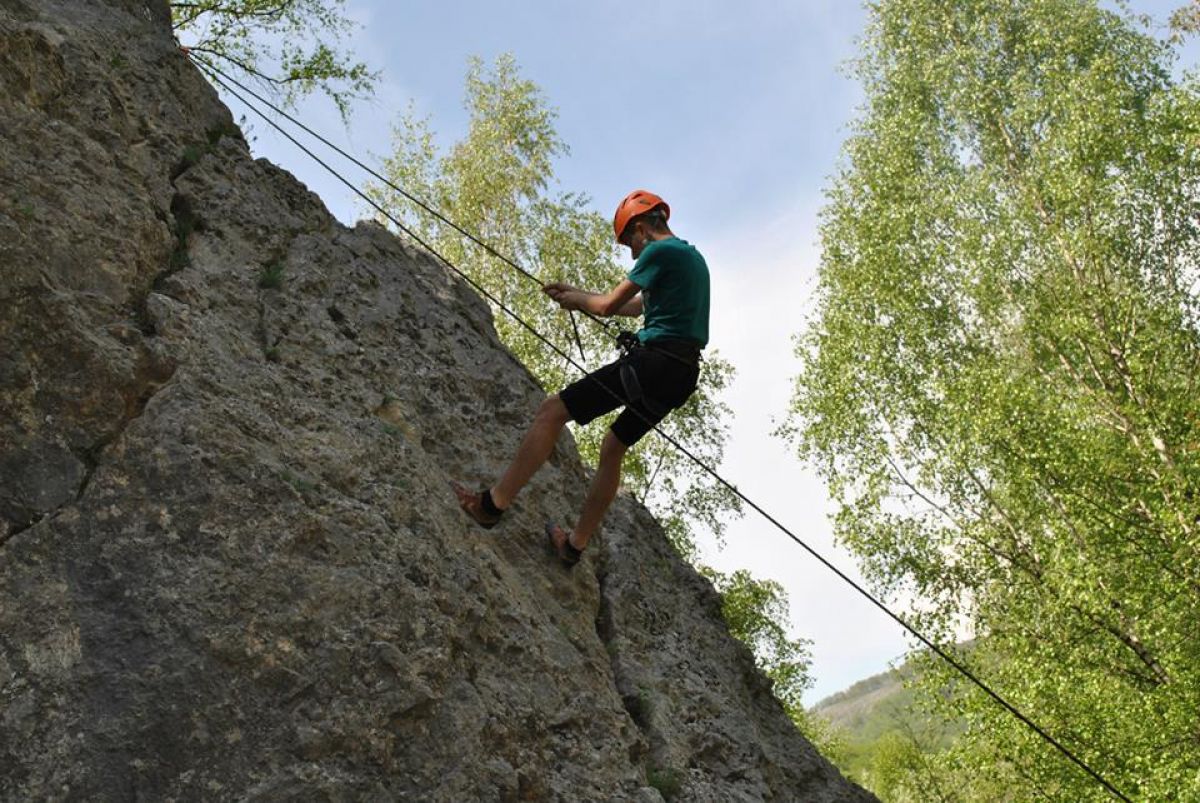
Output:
x=223 y=80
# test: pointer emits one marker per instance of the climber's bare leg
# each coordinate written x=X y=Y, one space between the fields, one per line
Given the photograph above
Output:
x=602 y=491
x=535 y=449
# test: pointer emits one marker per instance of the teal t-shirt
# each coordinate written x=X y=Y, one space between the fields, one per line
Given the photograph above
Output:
x=674 y=281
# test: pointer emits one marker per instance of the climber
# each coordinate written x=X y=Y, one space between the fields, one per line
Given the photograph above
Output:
x=657 y=373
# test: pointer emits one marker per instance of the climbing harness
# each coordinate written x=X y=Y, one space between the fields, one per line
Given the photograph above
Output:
x=629 y=344
x=685 y=353
x=627 y=341
x=216 y=75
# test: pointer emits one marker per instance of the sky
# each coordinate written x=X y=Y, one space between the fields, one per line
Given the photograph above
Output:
x=733 y=112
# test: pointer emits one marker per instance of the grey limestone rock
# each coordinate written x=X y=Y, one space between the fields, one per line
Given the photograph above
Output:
x=230 y=563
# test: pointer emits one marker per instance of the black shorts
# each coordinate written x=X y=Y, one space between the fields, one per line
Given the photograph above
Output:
x=667 y=379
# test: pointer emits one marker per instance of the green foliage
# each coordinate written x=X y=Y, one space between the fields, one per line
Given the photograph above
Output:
x=1000 y=382
x=754 y=610
x=292 y=47
x=1185 y=21
x=666 y=781
x=892 y=775
x=496 y=183
x=891 y=742
x=190 y=157
x=271 y=277
x=905 y=769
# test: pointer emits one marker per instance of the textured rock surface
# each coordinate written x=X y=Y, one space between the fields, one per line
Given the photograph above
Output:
x=230 y=565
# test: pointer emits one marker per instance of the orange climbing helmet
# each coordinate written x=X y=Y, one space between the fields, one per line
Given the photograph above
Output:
x=638 y=202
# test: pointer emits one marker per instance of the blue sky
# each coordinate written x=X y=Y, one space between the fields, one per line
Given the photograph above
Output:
x=735 y=113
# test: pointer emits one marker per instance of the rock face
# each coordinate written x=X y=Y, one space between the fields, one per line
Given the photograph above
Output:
x=230 y=563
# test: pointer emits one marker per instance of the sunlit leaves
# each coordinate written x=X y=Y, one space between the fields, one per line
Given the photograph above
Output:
x=291 y=47
x=999 y=381
x=756 y=612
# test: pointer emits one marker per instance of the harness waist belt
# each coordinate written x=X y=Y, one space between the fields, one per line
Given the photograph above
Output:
x=681 y=347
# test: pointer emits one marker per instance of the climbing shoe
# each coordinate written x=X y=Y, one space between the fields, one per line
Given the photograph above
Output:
x=560 y=544
x=478 y=505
